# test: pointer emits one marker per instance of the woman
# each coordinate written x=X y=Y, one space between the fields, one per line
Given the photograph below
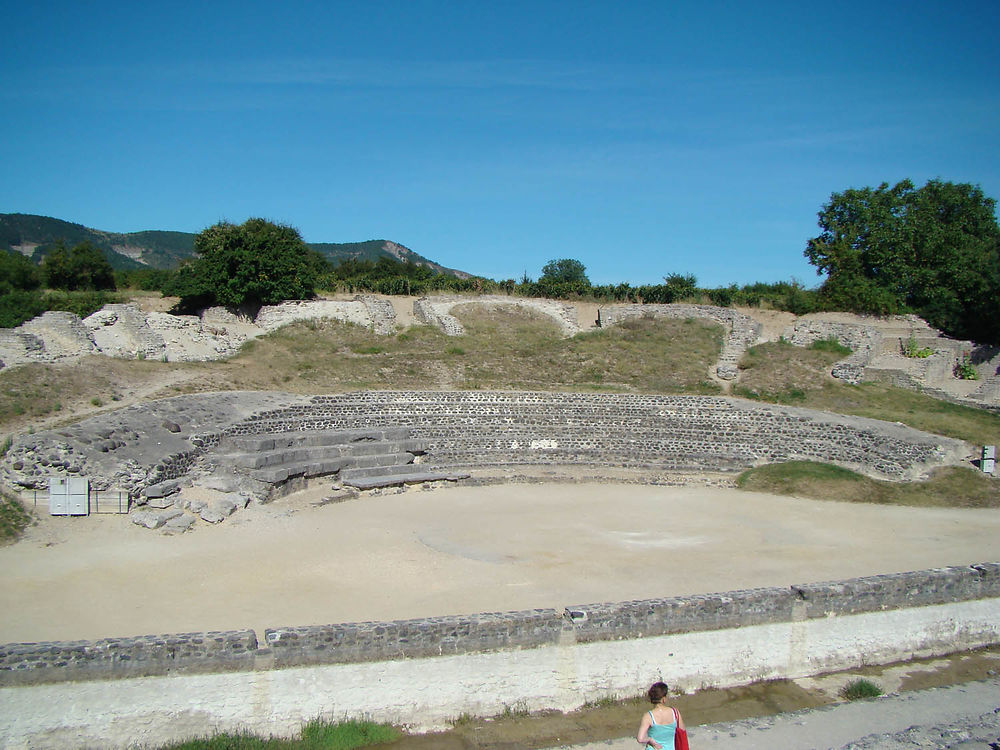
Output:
x=658 y=726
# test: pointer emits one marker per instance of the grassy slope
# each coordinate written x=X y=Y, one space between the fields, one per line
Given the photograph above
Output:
x=953 y=487
x=509 y=350
x=782 y=373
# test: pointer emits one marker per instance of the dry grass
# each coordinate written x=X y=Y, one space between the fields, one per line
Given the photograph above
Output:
x=501 y=350
x=783 y=373
x=523 y=350
x=36 y=391
x=951 y=487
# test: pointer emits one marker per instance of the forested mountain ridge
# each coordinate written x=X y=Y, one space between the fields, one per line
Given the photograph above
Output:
x=33 y=236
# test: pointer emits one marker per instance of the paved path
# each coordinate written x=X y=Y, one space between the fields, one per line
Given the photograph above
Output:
x=963 y=716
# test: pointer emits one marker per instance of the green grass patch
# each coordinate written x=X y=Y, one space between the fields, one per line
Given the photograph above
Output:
x=918 y=410
x=14 y=518
x=316 y=735
x=953 y=487
x=860 y=689
x=831 y=345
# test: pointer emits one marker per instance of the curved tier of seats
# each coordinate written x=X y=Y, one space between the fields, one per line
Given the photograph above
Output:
x=680 y=433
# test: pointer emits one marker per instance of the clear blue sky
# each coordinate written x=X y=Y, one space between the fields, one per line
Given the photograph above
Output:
x=642 y=138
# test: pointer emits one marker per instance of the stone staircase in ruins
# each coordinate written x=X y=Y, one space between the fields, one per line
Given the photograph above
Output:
x=360 y=458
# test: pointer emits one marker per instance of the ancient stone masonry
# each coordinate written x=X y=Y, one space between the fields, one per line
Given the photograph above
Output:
x=742 y=331
x=436 y=311
x=409 y=639
x=116 y=658
x=132 y=448
x=125 y=332
x=684 y=614
x=863 y=341
x=19 y=347
x=364 y=310
x=62 y=335
x=692 y=433
x=878 y=354
x=353 y=643
x=122 y=331
x=257 y=443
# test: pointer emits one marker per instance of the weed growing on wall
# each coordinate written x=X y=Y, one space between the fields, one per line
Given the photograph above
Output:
x=860 y=689
x=913 y=350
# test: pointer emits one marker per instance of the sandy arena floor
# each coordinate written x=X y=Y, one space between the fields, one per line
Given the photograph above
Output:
x=455 y=550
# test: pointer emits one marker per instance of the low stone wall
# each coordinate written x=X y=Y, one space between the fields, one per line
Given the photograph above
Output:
x=115 y=658
x=409 y=639
x=71 y=695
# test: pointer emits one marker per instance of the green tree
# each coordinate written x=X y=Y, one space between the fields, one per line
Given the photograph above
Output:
x=251 y=264
x=564 y=271
x=56 y=270
x=933 y=250
x=680 y=286
x=84 y=267
x=17 y=272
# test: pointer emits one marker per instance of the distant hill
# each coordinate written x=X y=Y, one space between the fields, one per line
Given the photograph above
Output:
x=33 y=236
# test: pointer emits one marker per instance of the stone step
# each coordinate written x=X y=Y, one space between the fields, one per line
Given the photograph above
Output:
x=362 y=472
x=267 y=458
x=318 y=468
x=392 y=480
x=280 y=440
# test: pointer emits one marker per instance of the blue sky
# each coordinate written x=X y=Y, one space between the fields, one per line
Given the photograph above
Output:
x=642 y=138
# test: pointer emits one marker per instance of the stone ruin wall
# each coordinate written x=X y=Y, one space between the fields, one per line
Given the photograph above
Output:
x=125 y=332
x=436 y=311
x=167 y=440
x=347 y=643
x=887 y=337
x=682 y=433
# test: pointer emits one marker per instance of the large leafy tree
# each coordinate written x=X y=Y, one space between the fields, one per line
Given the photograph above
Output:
x=247 y=265
x=84 y=267
x=564 y=271
x=933 y=250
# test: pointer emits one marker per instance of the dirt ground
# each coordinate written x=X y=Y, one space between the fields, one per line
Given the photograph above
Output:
x=301 y=561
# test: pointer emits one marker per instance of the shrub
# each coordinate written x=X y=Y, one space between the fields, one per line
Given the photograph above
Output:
x=964 y=369
x=13 y=518
x=860 y=689
x=912 y=350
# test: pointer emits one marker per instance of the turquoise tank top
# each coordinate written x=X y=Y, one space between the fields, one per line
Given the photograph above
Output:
x=663 y=733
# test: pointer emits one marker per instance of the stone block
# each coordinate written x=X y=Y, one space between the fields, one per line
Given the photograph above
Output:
x=211 y=515
x=179 y=524
x=162 y=489
x=223 y=506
